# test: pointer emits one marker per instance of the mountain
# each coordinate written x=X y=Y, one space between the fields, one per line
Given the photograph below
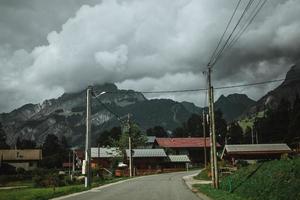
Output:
x=234 y=105
x=65 y=116
x=288 y=89
x=191 y=107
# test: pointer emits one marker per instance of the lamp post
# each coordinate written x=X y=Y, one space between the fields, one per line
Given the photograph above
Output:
x=128 y=126
x=87 y=180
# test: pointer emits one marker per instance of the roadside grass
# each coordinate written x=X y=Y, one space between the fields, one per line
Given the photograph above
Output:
x=203 y=175
x=49 y=192
x=27 y=183
x=276 y=180
x=217 y=194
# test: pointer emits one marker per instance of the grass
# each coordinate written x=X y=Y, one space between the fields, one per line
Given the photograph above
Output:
x=276 y=180
x=217 y=194
x=47 y=193
x=203 y=175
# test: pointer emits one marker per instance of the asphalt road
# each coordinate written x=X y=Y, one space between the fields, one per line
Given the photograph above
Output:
x=156 y=187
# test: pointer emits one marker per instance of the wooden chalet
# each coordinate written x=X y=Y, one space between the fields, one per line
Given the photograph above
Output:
x=26 y=158
x=234 y=152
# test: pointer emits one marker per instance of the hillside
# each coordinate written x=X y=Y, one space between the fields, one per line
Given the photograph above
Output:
x=278 y=179
x=289 y=88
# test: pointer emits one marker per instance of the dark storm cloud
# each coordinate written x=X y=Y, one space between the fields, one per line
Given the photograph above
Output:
x=139 y=44
x=26 y=24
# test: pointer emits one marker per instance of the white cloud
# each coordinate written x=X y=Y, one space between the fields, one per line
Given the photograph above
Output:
x=149 y=45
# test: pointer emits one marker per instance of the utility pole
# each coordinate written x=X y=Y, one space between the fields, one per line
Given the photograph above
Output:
x=129 y=145
x=73 y=164
x=69 y=164
x=87 y=180
x=214 y=164
x=252 y=136
x=204 y=135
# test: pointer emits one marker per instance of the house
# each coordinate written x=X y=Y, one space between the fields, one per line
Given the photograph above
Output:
x=254 y=151
x=26 y=158
x=103 y=157
x=150 y=142
x=177 y=162
x=147 y=161
x=193 y=147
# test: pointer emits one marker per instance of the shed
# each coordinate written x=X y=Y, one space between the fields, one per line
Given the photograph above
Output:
x=255 y=151
x=21 y=158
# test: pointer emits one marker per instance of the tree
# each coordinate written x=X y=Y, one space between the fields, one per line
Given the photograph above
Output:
x=248 y=136
x=179 y=132
x=235 y=134
x=221 y=127
x=3 y=144
x=157 y=131
x=25 y=144
x=55 y=152
x=137 y=138
x=109 y=138
x=194 y=126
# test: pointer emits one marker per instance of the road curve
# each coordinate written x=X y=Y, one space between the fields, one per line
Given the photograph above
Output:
x=156 y=187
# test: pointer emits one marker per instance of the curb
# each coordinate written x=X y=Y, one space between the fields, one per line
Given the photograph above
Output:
x=186 y=180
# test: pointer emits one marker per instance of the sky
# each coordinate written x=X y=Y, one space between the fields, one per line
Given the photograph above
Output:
x=51 y=47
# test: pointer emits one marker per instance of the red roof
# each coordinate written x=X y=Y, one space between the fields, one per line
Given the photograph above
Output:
x=190 y=142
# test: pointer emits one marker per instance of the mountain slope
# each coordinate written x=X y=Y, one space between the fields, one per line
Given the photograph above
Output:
x=288 y=90
x=234 y=105
x=65 y=116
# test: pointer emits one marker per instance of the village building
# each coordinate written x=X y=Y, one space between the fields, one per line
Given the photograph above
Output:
x=252 y=152
x=27 y=159
x=147 y=161
x=193 y=147
x=150 y=142
x=104 y=157
x=177 y=163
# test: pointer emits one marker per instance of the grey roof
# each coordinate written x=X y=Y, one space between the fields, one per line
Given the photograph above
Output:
x=179 y=158
x=150 y=139
x=105 y=152
x=147 y=153
x=256 y=148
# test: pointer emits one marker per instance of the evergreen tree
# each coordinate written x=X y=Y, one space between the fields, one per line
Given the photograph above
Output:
x=25 y=144
x=157 y=131
x=221 y=127
x=3 y=144
x=235 y=134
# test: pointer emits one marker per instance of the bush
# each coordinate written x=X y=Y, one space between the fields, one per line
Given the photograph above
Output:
x=45 y=178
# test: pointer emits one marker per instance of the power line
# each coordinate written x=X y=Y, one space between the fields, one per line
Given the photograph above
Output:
x=255 y=12
x=106 y=107
x=220 y=52
x=221 y=39
x=205 y=89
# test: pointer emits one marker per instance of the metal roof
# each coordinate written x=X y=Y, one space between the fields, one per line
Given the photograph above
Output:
x=179 y=158
x=105 y=152
x=256 y=148
x=190 y=142
x=147 y=153
x=150 y=139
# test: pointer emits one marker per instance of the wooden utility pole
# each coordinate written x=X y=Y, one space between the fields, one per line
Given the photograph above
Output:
x=204 y=135
x=214 y=163
x=129 y=145
x=87 y=182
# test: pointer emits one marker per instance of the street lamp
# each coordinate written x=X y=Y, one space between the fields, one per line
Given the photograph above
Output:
x=119 y=119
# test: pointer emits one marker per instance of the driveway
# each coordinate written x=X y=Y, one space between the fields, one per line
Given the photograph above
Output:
x=155 y=187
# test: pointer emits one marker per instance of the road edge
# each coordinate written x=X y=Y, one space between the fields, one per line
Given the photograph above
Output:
x=187 y=180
